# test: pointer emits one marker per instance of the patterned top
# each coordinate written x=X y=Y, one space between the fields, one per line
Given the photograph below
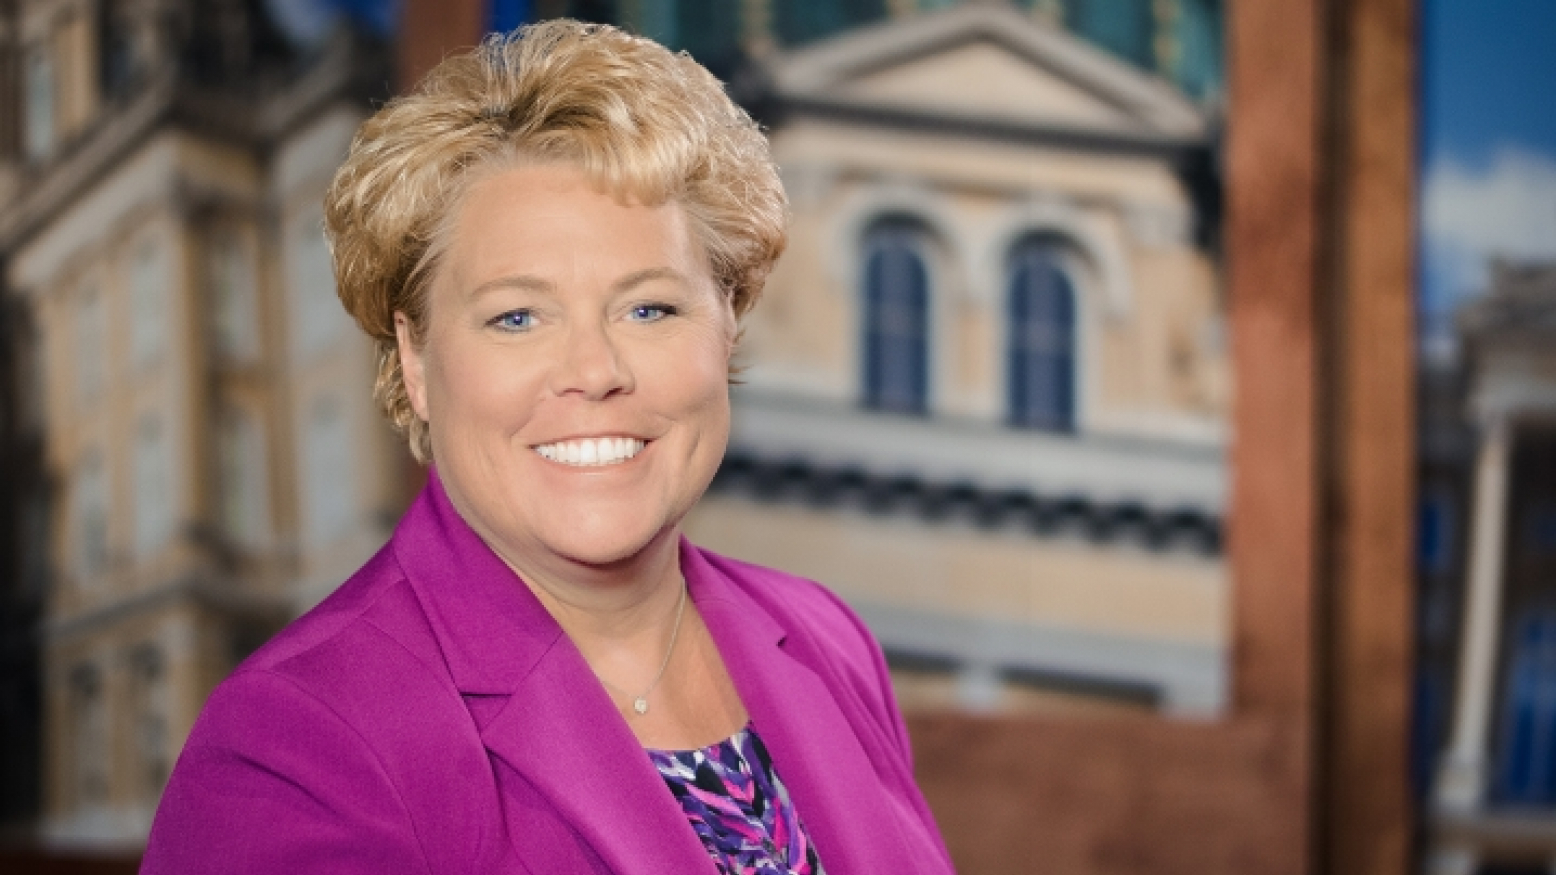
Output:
x=741 y=811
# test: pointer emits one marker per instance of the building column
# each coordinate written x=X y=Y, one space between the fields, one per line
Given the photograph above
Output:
x=1165 y=49
x=756 y=28
x=1461 y=779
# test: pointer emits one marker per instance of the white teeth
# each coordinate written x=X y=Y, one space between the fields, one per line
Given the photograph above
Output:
x=591 y=452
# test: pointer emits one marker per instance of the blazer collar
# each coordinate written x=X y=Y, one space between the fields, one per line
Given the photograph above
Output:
x=558 y=727
x=816 y=752
x=561 y=731
x=490 y=627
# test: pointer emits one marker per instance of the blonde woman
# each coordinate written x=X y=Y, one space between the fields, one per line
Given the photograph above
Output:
x=552 y=241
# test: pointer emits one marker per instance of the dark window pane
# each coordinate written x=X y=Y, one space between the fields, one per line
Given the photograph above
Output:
x=1123 y=27
x=1197 y=67
x=1041 y=342
x=796 y=22
x=710 y=31
x=1526 y=761
x=1434 y=535
x=896 y=321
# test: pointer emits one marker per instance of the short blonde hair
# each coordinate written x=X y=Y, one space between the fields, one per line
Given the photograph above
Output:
x=645 y=123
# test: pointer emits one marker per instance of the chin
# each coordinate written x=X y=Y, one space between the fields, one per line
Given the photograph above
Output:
x=602 y=543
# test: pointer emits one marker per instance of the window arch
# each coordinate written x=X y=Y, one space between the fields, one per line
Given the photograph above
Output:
x=1041 y=337
x=896 y=318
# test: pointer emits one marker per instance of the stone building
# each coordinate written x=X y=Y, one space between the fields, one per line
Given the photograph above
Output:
x=214 y=461
x=1494 y=797
x=986 y=391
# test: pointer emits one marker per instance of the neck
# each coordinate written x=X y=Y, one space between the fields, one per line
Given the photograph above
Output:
x=621 y=617
x=619 y=601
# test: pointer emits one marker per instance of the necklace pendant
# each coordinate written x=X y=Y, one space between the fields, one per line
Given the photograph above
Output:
x=640 y=705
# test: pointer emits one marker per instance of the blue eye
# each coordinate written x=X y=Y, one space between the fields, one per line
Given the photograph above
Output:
x=515 y=320
x=651 y=312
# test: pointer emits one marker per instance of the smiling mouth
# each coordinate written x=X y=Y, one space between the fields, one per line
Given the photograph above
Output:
x=591 y=452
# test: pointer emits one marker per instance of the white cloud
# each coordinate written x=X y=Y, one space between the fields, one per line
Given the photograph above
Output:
x=1469 y=215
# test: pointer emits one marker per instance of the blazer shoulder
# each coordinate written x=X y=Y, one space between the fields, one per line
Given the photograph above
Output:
x=365 y=643
x=352 y=700
x=379 y=587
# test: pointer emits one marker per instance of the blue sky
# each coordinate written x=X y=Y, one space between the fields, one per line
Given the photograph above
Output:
x=1488 y=145
x=1488 y=70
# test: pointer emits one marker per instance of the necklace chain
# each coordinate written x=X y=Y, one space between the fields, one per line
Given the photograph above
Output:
x=640 y=701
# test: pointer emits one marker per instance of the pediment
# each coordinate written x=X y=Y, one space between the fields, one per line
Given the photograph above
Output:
x=987 y=64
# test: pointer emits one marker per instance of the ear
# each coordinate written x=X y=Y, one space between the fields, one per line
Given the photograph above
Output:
x=413 y=367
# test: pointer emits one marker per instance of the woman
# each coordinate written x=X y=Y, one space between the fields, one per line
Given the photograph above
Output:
x=552 y=241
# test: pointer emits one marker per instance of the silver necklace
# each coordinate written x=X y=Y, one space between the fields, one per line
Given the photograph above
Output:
x=640 y=702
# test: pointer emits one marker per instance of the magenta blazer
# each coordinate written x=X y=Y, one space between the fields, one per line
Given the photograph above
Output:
x=431 y=717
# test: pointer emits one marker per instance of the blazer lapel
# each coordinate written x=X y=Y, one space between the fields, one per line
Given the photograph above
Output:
x=561 y=732
x=816 y=752
x=558 y=728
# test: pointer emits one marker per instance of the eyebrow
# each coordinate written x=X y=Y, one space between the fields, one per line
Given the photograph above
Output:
x=522 y=282
x=525 y=282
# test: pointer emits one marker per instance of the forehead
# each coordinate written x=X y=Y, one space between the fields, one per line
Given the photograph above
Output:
x=553 y=217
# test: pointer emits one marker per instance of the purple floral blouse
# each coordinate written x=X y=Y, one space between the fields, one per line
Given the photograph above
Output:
x=741 y=811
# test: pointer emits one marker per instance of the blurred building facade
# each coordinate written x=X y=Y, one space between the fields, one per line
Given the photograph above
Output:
x=213 y=460
x=985 y=398
x=1490 y=523
x=986 y=390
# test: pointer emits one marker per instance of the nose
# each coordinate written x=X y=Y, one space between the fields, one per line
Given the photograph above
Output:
x=591 y=365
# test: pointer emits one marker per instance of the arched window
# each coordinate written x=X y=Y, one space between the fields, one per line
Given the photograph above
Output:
x=150 y=694
x=149 y=300
x=40 y=97
x=89 y=505
x=240 y=452
x=1040 y=382
x=155 y=513
x=91 y=342
x=1526 y=765
x=896 y=319
x=317 y=315
x=328 y=489
x=89 y=728
x=235 y=305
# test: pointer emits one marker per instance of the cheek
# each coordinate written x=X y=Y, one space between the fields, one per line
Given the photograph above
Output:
x=700 y=371
x=470 y=385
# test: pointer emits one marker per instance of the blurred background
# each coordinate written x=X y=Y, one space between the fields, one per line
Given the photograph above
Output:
x=988 y=398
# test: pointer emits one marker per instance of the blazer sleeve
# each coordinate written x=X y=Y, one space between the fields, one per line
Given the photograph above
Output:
x=274 y=780
x=877 y=686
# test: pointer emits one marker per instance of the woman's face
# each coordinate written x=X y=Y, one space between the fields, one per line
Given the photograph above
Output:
x=574 y=373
